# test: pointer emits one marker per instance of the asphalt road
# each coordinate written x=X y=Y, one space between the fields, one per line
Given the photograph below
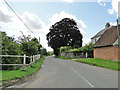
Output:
x=58 y=73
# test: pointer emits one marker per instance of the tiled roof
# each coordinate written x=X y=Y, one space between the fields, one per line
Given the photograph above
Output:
x=108 y=38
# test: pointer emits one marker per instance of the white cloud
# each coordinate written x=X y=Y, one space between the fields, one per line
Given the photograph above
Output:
x=57 y=17
x=68 y=1
x=101 y=3
x=32 y=21
x=111 y=11
x=114 y=9
x=113 y=24
x=5 y=15
x=86 y=41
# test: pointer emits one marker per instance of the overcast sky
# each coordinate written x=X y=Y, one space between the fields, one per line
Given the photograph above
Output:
x=39 y=15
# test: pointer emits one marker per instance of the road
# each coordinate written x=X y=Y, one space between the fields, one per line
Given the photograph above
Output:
x=58 y=73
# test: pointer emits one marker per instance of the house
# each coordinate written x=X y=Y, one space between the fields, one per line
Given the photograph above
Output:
x=108 y=45
x=95 y=38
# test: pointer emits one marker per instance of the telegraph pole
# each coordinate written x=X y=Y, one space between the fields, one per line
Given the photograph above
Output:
x=39 y=39
x=0 y=47
x=24 y=36
x=118 y=33
x=118 y=28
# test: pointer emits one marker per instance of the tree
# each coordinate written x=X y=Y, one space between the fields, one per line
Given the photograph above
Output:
x=25 y=45
x=64 y=33
x=43 y=51
x=30 y=46
x=9 y=47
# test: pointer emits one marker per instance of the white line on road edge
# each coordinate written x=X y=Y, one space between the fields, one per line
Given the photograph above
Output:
x=82 y=77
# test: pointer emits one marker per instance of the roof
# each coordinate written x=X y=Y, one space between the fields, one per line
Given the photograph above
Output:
x=99 y=33
x=108 y=38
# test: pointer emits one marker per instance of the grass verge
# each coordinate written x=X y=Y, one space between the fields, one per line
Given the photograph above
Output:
x=114 y=65
x=19 y=74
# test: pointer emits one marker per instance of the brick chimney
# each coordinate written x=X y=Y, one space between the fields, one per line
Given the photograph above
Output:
x=107 y=25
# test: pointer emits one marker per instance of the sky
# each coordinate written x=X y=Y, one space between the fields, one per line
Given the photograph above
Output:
x=39 y=15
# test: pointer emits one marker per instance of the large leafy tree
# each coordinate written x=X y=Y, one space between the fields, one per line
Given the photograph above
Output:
x=64 y=33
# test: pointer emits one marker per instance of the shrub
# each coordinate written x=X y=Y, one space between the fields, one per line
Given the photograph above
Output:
x=65 y=49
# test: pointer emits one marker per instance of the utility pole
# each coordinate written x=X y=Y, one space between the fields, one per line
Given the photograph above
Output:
x=118 y=28
x=118 y=33
x=24 y=36
x=39 y=39
x=0 y=48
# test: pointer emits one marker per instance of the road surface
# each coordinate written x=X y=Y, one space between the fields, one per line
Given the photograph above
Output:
x=58 y=73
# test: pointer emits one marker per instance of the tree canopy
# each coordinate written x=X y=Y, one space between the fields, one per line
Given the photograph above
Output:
x=64 y=33
x=25 y=45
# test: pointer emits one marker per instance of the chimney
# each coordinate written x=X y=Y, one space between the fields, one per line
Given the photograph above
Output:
x=107 y=25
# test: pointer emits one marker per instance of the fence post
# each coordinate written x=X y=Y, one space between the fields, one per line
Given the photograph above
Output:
x=31 y=61
x=24 y=62
x=37 y=56
x=86 y=55
x=33 y=58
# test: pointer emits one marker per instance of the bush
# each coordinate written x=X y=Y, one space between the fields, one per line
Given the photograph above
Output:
x=65 y=49
x=10 y=47
x=87 y=48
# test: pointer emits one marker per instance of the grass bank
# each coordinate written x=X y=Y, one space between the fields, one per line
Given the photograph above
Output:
x=114 y=65
x=19 y=74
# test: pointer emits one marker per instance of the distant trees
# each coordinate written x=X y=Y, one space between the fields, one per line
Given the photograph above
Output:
x=26 y=45
x=64 y=33
x=43 y=51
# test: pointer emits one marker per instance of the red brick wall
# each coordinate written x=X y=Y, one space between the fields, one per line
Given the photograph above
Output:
x=108 y=53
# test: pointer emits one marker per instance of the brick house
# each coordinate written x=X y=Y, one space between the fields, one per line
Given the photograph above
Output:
x=95 y=38
x=108 y=45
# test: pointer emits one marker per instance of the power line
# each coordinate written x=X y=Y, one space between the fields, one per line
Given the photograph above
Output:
x=18 y=16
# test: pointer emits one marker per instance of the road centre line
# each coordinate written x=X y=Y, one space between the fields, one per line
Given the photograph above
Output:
x=82 y=77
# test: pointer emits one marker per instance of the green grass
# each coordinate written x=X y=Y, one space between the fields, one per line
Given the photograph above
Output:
x=114 y=65
x=19 y=74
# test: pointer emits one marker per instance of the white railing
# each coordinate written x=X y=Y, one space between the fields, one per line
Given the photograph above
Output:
x=32 y=60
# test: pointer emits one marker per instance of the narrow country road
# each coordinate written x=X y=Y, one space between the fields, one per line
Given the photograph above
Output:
x=58 y=73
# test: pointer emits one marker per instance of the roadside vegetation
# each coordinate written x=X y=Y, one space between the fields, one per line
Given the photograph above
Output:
x=19 y=46
x=114 y=65
x=23 y=45
x=77 y=51
x=20 y=74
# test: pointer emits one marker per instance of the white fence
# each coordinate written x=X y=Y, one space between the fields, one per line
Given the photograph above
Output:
x=32 y=60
